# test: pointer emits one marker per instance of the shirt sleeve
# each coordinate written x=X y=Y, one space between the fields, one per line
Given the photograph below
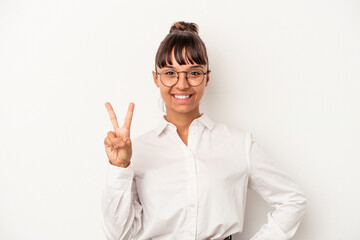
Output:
x=121 y=209
x=279 y=190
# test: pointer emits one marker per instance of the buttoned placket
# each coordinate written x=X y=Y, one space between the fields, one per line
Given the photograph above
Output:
x=191 y=178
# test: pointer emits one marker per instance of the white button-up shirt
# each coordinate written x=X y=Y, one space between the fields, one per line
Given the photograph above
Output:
x=173 y=191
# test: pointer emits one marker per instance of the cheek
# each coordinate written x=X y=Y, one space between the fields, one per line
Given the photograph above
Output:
x=165 y=93
x=200 y=93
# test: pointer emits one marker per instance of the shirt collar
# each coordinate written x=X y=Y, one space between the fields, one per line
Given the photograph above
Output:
x=203 y=119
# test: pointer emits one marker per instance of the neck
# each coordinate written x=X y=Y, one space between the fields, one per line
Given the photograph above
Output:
x=182 y=121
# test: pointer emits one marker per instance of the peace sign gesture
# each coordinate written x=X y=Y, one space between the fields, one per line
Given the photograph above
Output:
x=117 y=143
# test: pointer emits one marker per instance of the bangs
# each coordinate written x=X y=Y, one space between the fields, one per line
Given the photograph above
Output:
x=187 y=49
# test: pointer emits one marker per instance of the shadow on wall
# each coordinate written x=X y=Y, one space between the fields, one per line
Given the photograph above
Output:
x=255 y=215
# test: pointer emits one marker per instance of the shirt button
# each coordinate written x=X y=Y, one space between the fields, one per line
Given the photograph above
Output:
x=192 y=205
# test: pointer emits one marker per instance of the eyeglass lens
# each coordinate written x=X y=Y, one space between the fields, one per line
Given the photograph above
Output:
x=170 y=77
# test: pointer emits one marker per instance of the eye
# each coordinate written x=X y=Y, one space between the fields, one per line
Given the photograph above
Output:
x=170 y=73
x=195 y=73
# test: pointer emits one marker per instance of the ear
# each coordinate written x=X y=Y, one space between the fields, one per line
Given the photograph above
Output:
x=155 y=78
x=207 y=78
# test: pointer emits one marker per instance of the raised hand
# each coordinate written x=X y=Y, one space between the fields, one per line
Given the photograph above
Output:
x=117 y=143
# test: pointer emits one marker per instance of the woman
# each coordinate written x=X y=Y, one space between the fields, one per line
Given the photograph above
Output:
x=188 y=177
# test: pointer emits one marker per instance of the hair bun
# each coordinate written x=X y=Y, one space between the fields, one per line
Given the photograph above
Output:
x=184 y=26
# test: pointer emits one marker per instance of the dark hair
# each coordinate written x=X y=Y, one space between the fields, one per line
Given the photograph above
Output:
x=182 y=35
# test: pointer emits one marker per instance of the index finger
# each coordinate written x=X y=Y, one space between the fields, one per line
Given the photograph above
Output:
x=129 y=115
x=112 y=115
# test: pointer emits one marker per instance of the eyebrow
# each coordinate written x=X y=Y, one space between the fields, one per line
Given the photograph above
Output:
x=197 y=66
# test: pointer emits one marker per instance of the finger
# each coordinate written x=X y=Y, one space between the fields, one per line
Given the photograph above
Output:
x=121 y=143
x=107 y=142
x=129 y=115
x=112 y=115
x=123 y=133
x=111 y=135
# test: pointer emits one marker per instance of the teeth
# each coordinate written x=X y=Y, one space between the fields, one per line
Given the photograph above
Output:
x=182 y=96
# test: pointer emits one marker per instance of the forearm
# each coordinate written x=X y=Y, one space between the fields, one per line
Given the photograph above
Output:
x=121 y=212
x=284 y=219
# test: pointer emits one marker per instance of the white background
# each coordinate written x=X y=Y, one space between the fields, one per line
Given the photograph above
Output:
x=288 y=71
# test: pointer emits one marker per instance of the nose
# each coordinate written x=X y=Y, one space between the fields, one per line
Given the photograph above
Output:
x=182 y=82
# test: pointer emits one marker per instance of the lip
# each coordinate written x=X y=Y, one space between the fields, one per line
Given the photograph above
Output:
x=182 y=101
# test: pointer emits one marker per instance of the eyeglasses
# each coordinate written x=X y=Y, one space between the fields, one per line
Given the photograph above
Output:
x=194 y=78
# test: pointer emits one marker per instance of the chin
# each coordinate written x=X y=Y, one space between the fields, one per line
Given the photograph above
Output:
x=183 y=109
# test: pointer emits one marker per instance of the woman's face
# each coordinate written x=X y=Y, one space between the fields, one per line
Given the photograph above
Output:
x=182 y=87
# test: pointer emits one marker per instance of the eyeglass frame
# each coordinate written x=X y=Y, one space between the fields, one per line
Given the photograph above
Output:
x=186 y=77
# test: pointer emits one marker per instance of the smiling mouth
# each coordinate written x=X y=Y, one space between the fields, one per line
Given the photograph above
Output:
x=182 y=96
